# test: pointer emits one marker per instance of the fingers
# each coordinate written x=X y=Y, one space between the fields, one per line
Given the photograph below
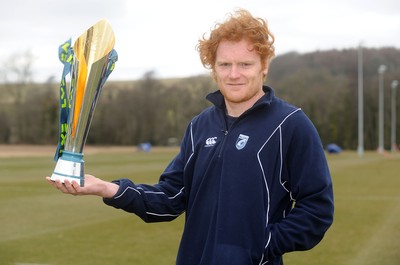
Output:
x=67 y=187
x=52 y=183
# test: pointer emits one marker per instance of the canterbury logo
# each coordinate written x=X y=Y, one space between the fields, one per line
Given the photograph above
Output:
x=211 y=142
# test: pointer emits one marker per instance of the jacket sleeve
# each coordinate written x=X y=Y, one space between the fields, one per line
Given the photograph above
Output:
x=310 y=186
x=163 y=201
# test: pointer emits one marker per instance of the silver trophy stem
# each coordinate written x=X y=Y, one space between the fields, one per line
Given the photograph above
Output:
x=70 y=166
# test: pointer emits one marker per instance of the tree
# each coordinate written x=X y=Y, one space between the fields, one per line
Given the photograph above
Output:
x=18 y=68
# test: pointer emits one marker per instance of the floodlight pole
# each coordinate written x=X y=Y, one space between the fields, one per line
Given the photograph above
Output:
x=381 y=71
x=394 y=146
x=360 y=149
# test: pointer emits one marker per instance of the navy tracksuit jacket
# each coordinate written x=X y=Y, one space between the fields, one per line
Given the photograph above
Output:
x=251 y=192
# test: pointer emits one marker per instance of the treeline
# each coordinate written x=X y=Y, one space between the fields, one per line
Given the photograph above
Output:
x=147 y=110
x=324 y=84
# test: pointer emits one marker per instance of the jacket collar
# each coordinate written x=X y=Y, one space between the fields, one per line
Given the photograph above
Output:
x=218 y=99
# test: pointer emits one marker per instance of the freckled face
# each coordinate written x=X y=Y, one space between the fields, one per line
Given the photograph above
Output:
x=239 y=73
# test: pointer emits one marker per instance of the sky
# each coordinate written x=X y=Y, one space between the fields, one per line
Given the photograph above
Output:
x=161 y=36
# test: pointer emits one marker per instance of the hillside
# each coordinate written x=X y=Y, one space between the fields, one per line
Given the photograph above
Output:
x=323 y=83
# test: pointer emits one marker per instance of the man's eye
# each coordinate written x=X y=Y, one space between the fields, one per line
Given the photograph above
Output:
x=223 y=64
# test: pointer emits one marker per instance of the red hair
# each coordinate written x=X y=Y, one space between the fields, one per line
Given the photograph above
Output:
x=238 y=26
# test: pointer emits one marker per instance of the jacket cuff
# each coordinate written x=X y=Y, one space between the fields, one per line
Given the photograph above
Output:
x=117 y=197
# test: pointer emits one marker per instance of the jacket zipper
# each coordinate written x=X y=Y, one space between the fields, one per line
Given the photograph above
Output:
x=225 y=131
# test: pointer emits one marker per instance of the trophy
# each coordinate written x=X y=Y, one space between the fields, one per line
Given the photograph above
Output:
x=89 y=63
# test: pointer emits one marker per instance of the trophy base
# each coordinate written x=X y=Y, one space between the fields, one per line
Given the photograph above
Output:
x=69 y=166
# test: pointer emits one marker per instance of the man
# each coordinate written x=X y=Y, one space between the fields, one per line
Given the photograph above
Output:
x=251 y=174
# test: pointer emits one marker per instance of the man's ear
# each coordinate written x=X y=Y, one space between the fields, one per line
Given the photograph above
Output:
x=266 y=67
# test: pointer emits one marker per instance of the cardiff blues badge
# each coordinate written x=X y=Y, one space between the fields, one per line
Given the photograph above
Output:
x=241 y=141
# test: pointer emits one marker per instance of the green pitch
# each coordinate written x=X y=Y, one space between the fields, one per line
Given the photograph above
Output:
x=39 y=225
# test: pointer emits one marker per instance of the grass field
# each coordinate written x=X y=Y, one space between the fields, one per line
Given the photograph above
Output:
x=39 y=225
